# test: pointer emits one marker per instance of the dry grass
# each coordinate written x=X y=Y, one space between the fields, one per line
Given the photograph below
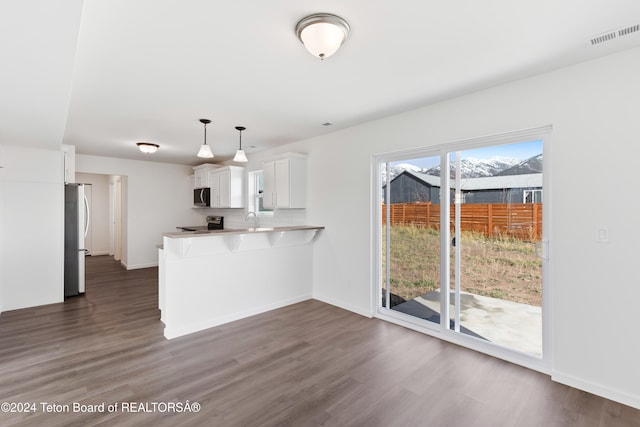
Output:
x=502 y=267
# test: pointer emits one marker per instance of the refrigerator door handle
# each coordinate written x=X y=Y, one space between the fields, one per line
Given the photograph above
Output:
x=87 y=216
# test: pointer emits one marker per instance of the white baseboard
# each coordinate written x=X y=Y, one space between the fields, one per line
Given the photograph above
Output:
x=137 y=266
x=99 y=253
x=174 y=332
x=341 y=304
x=597 y=389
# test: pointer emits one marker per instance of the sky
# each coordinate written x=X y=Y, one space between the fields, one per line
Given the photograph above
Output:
x=521 y=151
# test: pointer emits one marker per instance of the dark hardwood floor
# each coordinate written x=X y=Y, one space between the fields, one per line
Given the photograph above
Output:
x=303 y=365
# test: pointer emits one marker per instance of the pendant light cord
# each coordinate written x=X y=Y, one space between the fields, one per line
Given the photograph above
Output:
x=205 y=134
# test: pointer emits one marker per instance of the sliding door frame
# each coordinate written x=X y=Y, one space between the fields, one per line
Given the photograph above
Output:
x=379 y=162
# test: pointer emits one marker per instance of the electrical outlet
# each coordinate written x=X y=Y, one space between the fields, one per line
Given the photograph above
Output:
x=603 y=234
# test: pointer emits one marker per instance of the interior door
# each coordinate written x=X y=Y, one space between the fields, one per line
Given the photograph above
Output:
x=117 y=241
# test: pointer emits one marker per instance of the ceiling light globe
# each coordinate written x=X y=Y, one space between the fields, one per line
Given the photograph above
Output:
x=205 y=152
x=147 y=147
x=322 y=40
x=322 y=34
x=240 y=157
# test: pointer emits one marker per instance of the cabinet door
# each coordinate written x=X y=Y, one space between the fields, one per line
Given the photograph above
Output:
x=283 y=196
x=213 y=183
x=201 y=178
x=224 y=186
x=268 y=189
x=196 y=179
x=236 y=187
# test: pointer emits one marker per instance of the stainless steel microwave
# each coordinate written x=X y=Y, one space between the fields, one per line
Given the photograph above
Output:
x=202 y=197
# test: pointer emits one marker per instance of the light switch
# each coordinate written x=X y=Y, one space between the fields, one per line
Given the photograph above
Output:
x=603 y=234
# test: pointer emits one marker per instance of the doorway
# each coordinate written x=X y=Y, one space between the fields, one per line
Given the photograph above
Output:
x=105 y=232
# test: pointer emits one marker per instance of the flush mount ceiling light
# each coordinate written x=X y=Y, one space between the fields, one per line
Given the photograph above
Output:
x=322 y=33
x=240 y=156
x=147 y=147
x=205 y=151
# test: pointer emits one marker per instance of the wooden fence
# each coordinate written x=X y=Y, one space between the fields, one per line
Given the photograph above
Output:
x=520 y=220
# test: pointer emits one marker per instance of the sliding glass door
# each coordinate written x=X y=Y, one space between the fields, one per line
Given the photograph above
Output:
x=480 y=275
x=411 y=246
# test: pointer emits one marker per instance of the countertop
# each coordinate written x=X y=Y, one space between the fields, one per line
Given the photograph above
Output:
x=193 y=228
x=231 y=231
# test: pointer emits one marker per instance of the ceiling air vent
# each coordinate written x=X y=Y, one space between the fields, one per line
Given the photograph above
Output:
x=611 y=35
x=603 y=38
x=628 y=30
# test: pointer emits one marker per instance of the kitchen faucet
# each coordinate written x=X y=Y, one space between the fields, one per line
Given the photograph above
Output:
x=256 y=220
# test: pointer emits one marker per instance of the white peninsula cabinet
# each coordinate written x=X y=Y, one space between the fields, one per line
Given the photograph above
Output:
x=285 y=182
x=263 y=268
x=227 y=185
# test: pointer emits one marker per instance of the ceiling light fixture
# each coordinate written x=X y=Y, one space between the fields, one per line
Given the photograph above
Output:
x=147 y=147
x=240 y=156
x=205 y=151
x=322 y=33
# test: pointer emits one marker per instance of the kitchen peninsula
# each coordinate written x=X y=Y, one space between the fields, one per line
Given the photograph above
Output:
x=211 y=277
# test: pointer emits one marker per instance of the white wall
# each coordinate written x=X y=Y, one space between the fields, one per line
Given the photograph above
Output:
x=99 y=222
x=594 y=147
x=157 y=197
x=31 y=227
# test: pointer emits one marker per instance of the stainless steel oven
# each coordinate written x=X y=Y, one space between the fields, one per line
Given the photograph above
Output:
x=215 y=222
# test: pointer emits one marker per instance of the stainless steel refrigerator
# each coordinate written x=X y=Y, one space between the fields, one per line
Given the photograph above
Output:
x=76 y=226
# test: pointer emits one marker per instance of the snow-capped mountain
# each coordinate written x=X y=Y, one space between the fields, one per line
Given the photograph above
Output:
x=396 y=170
x=531 y=165
x=406 y=167
x=476 y=168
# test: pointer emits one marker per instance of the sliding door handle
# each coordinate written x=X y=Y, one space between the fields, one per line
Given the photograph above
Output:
x=542 y=250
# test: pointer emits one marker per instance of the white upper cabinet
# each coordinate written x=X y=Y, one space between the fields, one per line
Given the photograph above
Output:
x=285 y=182
x=227 y=187
x=201 y=175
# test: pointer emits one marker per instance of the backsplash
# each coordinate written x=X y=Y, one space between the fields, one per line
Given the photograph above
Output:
x=236 y=218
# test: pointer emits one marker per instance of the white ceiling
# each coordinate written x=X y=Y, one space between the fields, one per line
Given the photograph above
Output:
x=147 y=70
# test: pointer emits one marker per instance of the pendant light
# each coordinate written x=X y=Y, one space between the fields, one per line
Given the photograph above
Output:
x=205 y=151
x=240 y=156
x=322 y=33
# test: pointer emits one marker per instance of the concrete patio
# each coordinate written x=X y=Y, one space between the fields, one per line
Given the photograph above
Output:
x=506 y=323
